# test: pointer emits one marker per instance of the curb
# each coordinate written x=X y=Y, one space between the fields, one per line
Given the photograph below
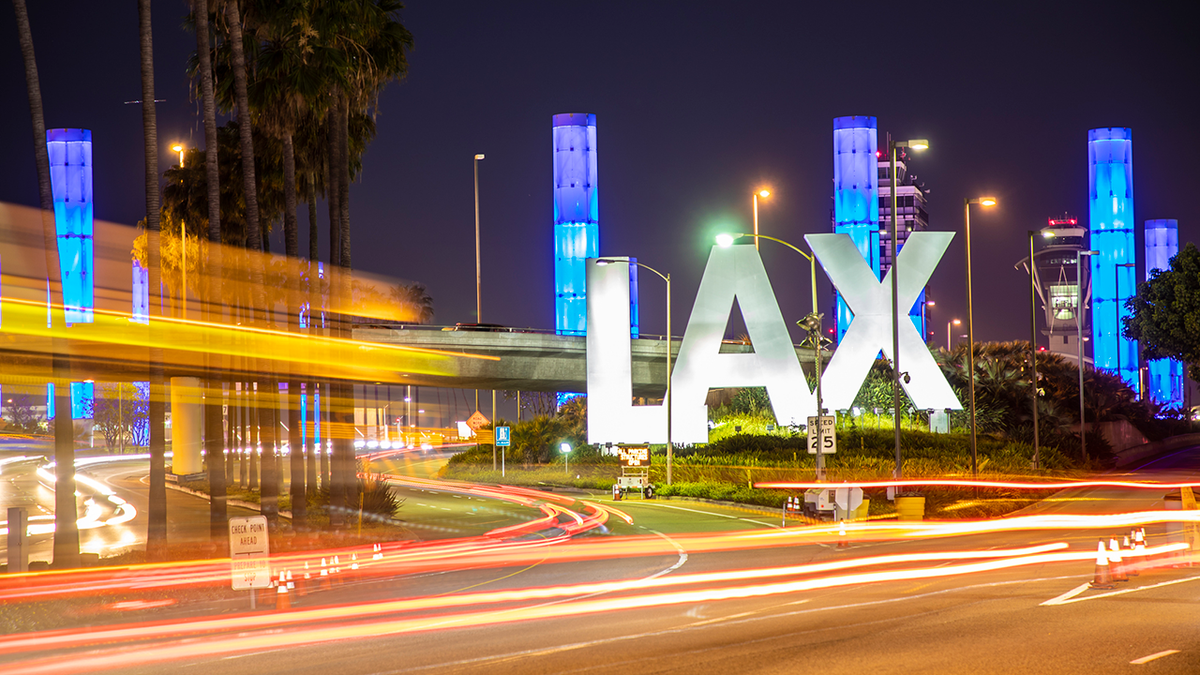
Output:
x=228 y=502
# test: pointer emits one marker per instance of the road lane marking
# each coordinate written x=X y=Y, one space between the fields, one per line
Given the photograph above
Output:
x=1120 y=592
x=1067 y=596
x=1148 y=659
x=711 y=513
x=547 y=651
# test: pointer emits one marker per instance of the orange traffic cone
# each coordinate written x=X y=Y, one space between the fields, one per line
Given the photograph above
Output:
x=1131 y=567
x=378 y=552
x=282 y=600
x=302 y=587
x=1139 y=545
x=324 y=575
x=1114 y=556
x=842 y=543
x=1102 y=578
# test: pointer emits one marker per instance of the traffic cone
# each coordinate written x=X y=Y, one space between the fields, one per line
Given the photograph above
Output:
x=291 y=584
x=1131 y=567
x=1139 y=545
x=1102 y=578
x=842 y=543
x=282 y=600
x=377 y=552
x=324 y=575
x=336 y=570
x=305 y=580
x=1114 y=556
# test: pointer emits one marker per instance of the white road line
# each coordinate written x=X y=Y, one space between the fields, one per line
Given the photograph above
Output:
x=1066 y=596
x=711 y=513
x=1148 y=659
x=1120 y=592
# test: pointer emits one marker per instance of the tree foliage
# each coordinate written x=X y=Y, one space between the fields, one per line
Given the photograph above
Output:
x=1165 y=314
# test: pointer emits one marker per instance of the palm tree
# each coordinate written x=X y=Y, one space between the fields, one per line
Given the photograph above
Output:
x=413 y=302
x=156 y=533
x=66 y=532
x=214 y=447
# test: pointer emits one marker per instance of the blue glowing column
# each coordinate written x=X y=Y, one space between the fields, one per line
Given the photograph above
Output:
x=856 y=194
x=1166 y=375
x=576 y=218
x=1110 y=208
x=71 y=184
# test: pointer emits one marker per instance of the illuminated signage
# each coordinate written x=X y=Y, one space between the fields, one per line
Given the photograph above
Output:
x=736 y=273
x=634 y=456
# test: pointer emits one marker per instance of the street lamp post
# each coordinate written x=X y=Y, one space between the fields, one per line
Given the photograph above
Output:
x=724 y=240
x=812 y=324
x=952 y=322
x=479 y=273
x=565 y=449
x=667 y=398
x=1079 y=327
x=1033 y=378
x=982 y=201
x=1117 y=310
x=915 y=144
x=178 y=147
x=754 y=198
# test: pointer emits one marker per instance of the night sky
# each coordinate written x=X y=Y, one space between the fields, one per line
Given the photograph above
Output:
x=697 y=104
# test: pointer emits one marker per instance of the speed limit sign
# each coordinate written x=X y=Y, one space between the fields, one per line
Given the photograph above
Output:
x=822 y=435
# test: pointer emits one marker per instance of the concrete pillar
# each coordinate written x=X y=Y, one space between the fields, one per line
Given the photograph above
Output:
x=18 y=543
x=187 y=421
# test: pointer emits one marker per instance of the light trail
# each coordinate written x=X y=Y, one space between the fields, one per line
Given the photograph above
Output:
x=189 y=648
x=940 y=482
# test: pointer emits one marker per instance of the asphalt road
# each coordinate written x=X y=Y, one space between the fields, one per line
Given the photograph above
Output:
x=1030 y=619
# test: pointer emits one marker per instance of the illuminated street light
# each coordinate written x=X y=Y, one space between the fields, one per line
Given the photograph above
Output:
x=953 y=322
x=981 y=201
x=178 y=147
x=565 y=449
x=725 y=240
x=915 y=144
x=764 y=194
x=667 y=400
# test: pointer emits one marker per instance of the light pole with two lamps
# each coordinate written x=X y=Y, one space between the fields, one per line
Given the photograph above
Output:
x=981 y=201
x=915 y=144
x=667 y=399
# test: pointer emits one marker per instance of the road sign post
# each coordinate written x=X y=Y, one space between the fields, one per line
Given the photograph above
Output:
x=503 y=439
x=249 y=554
x=822 y=436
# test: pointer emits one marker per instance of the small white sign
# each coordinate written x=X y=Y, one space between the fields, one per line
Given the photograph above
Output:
x=828 y=435
x=848 y=499
x=249 y=551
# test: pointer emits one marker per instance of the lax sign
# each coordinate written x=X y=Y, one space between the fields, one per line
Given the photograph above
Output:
x=737 y=273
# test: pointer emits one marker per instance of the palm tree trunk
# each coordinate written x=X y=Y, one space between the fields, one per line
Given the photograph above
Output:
x=242 y=100
x=66 y=532
x=332 y=192
x=313 y=248
x=218 y=512
x=343 y=171
x=156 y=533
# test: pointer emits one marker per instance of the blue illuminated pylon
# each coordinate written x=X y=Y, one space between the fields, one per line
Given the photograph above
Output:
x=576 y=217
x=1165 y=386
x=1110 y=209
x=71 y=184
x=856 y=194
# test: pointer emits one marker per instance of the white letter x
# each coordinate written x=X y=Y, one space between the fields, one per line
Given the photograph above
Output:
x=871 y=329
